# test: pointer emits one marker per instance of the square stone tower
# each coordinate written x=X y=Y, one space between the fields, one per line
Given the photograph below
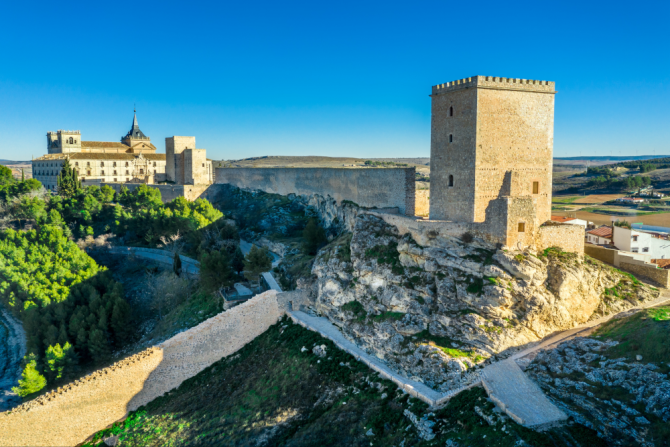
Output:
x=483 y=128
x=174 y=148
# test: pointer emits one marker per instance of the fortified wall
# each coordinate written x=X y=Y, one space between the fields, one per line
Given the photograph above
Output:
x=68 y=415
x=369 y=188
x=168 y=192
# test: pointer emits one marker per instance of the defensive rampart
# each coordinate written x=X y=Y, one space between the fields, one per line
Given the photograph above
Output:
x=369 y=188
x=73 y=412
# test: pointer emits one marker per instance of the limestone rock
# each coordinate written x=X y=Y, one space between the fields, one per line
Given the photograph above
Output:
x=435 y=312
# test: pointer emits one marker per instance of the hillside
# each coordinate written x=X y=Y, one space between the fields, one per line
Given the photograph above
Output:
x=291 y=387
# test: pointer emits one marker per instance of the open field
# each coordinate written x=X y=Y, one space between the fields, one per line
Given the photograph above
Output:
x=662 y=220
x=598 y=198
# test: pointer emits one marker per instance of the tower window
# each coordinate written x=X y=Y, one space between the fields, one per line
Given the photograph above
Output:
x=71 y=140
x=451 y=180
x=451 y=111
x=141 y=171
x=522 y=227
x=536 y=187
x=203 y=165
x=451 y=138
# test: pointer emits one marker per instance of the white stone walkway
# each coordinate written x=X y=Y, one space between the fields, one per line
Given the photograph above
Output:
x=518 y=396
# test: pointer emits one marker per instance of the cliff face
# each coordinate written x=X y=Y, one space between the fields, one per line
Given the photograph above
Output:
x=438 y=312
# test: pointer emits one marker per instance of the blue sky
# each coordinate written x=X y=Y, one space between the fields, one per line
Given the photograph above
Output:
x=318 y=78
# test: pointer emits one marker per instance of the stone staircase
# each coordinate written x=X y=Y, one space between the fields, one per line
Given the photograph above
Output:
x=518 y=396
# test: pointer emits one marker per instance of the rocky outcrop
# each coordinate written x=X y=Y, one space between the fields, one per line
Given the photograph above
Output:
x=616 y=397
x=436 y=313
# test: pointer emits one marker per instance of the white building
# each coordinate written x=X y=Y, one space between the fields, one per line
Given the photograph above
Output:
x=600 y=236
x=636 y=241
x=569 y=220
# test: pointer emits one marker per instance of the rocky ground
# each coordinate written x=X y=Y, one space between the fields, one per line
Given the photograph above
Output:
x=438 y=313
x=617 y=383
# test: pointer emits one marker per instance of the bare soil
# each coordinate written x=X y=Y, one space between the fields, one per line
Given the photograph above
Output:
x=662 y=220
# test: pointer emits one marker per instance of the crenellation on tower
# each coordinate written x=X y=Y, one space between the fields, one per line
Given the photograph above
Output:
x=495 y=82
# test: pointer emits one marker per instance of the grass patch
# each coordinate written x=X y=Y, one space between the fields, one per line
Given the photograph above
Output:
x=357 y=309
x=645 y=333
x=388 y=255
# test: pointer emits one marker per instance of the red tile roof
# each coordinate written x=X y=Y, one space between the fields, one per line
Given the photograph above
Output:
x=604 y=231
x=561 y=219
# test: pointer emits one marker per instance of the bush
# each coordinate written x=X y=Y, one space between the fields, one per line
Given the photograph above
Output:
x=31 y=380
x=467 y=237
x=216 y=271
x=314 y=236
x=257 y=261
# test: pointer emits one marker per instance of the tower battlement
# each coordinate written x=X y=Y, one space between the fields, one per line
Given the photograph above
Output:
x=65 y=132
x=496 y=82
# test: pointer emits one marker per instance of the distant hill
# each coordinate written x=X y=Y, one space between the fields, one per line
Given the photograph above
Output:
x=13 y=162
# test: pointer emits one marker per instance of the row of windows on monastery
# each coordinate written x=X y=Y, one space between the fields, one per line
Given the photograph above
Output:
x=76 y=163
x=54 y=173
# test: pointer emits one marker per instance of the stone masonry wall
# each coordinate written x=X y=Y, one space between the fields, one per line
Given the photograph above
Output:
x=70 y=414
x=658 y=275
x=380 y=188
x=568 y=237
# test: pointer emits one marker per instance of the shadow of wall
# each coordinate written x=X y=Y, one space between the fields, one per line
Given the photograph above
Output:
x=68 y=415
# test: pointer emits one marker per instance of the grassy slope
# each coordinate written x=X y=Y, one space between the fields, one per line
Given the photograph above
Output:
x=272 y=390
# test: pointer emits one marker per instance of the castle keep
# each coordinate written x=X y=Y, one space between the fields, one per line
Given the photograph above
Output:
x=483 y=128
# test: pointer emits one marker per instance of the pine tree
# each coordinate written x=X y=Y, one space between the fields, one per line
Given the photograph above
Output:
x=68 y=182
x=257 y=261
x=98 y=345
x=59 y=360
x=121 y=321
x=31 y=380
x=176 y=264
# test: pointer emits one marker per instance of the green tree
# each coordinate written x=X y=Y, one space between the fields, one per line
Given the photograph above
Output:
x=98 y=345
x=31 y=380
x=314 y=236
x=215 y=271
x=121 y=321
x=5 y=175
x=257 y=261
x=68 y=181
x=58 y=360
x=176 y=264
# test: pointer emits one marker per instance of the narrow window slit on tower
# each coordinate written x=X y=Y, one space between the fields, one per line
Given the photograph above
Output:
x=451 y=180
x=522 y=227
x=536 y=187
x=451 y=138
x=451 y=111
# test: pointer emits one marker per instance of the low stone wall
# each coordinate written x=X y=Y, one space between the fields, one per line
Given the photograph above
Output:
x=600 y=253
x=188 y=265
x=380 y=188
x=567 y=237
x=422 y=202
x=652 y=272
x=70 y=414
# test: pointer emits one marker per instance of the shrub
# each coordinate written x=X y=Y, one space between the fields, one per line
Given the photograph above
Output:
x=467 y=237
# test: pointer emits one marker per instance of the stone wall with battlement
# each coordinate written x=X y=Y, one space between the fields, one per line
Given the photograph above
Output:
x=168 y=192
x=378 y=188
x=68 y=415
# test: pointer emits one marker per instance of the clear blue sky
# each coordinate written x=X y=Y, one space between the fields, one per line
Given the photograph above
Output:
x=318 y=78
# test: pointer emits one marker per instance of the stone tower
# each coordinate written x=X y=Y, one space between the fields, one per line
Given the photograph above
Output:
x=483 y=129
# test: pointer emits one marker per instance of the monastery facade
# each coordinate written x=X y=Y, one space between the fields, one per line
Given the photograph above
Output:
x=132 y=160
